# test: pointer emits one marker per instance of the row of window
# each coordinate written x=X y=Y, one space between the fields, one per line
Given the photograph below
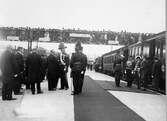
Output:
x=158 y=48
x=109 y=59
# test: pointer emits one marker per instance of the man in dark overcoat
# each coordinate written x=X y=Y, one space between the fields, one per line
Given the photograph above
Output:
x=53 y=70
x=118 y=68
x=20 y=68
x=8 y=69
x=156 y=73
x=145 y=71
x=42 y=53
x=33 y=63
x=78 y=65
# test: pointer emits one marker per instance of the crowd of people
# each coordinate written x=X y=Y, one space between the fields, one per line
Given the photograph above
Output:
x=19 y=68
x=63 y=35
x=142 y=71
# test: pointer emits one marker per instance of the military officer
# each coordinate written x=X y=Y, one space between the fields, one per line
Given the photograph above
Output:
x=78 y=66
x=64 y=64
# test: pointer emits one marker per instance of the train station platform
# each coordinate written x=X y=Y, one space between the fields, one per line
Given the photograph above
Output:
x=100 y=101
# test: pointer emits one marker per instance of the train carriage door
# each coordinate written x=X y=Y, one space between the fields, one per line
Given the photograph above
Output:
x=158 y=49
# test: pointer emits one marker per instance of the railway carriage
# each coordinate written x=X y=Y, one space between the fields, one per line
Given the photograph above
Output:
x=152 y=47
x=111 y=57
x=98 y=64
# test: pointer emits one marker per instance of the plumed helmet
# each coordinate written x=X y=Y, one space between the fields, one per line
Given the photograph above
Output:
x=78 y=46
x=62 y=46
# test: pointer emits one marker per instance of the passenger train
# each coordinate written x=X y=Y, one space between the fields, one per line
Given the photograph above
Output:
x=152 y=47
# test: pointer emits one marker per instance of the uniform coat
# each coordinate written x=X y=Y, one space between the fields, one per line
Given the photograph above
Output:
x=78 y=64
x=63 y=70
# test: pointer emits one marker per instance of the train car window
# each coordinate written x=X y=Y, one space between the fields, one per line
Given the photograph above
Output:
x=134 y=51
x=158 y=48
x=130 y=52
x=146 y=50
x=164 y=50
x=139 y=51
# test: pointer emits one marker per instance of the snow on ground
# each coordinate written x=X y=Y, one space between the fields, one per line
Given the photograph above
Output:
x=148 y=106
x=50 y=106
x=91 y=50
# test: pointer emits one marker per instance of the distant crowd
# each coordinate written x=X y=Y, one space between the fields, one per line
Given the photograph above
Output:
x=142 y=71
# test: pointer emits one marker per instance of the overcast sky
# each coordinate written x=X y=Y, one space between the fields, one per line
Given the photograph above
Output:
x=115 y=15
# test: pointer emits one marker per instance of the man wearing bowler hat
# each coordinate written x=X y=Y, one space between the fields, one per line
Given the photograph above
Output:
x=64 y=63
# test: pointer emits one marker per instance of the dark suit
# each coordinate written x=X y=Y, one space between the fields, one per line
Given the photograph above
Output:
x=43 y=67
x=118 y=64
x=78 y=64
x=8 y=68
x=145 y=72
x=157 y=74
x=20 y=68
x=53 y=71
x=33 y=63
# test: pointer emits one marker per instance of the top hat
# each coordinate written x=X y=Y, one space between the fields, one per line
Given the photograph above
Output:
x=62 y=46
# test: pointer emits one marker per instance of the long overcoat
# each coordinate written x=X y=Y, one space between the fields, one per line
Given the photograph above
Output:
x=53 y=66
x=34 y=64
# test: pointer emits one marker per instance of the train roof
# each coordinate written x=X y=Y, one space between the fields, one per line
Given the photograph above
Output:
x=114 y=51
x=157 y=36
